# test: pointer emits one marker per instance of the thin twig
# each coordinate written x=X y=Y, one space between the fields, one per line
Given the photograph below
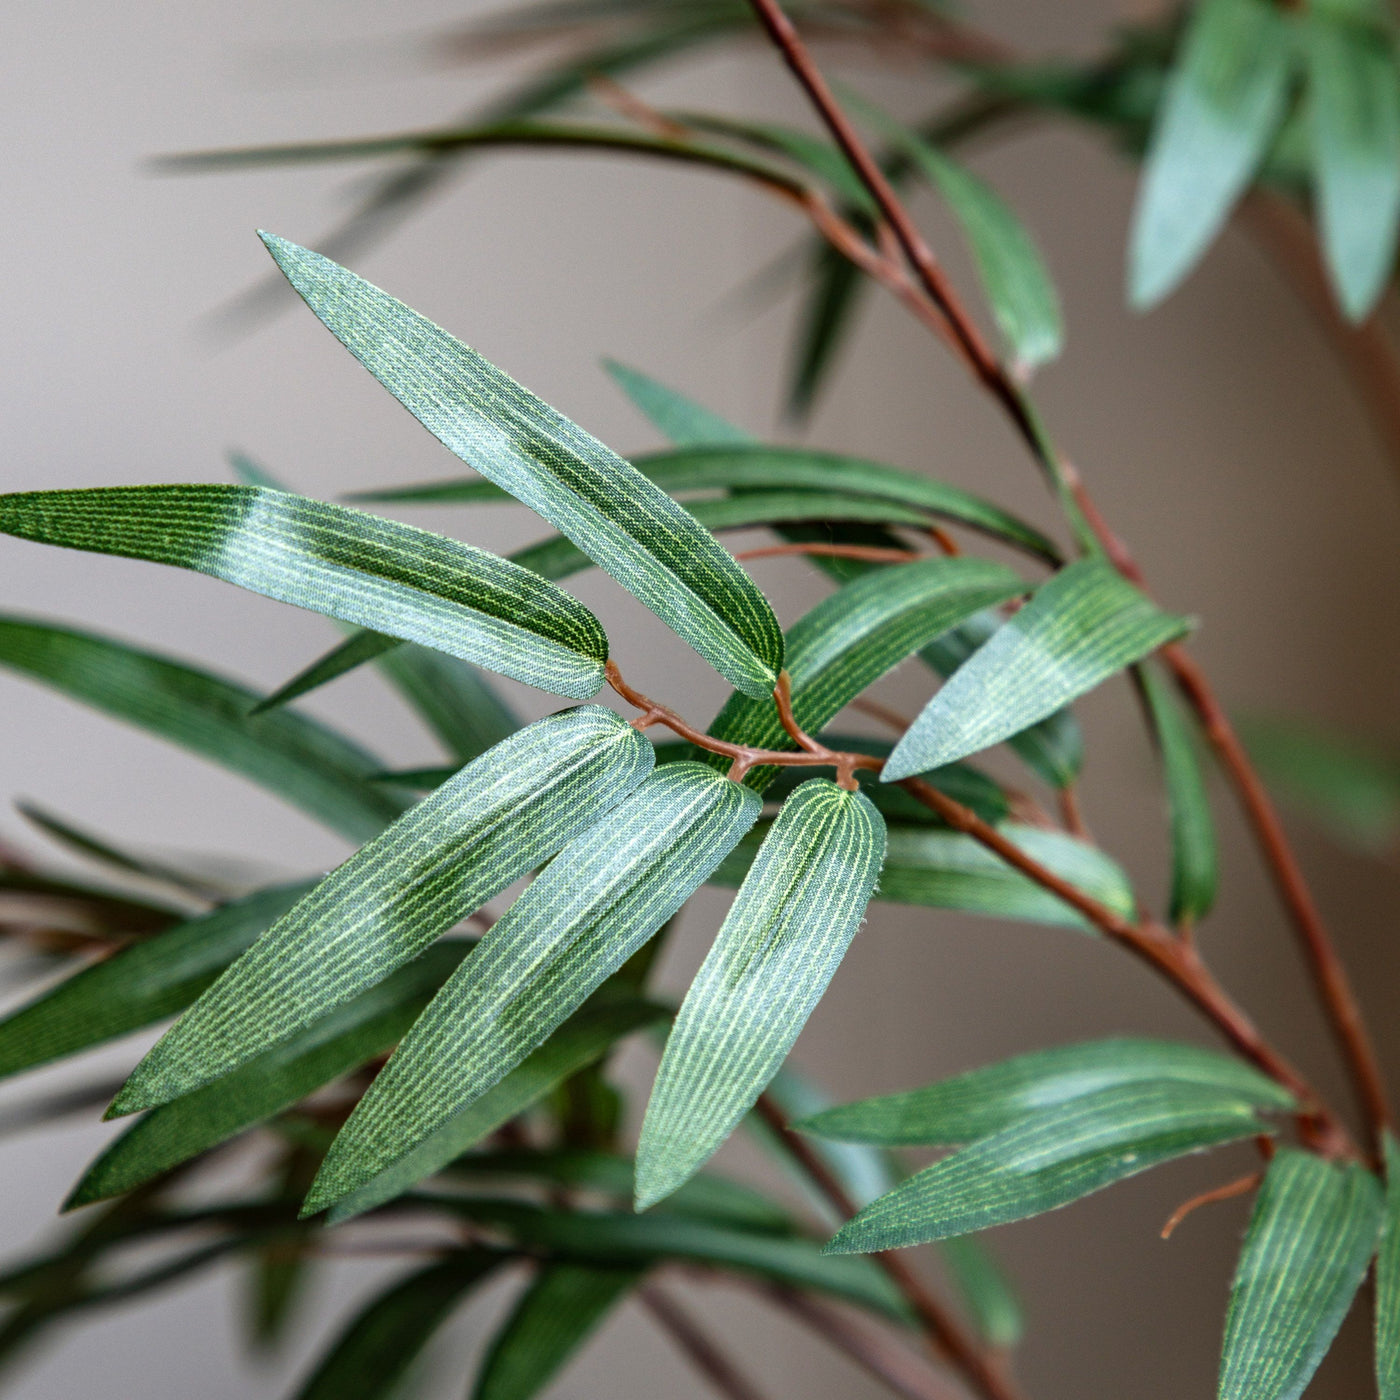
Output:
x=704 y=1354
x=1228 y=1192
x=871 y=553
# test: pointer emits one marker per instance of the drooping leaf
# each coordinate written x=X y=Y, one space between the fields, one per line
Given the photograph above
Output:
x=629 y=527
x=352 y=1034
x=1388 y=1281
x=578 y=1043
x=363 y=569
x=1048 y=1159
x=852 y=638
x=1195 y=864
x=1223 y=103
x=499 y=817
x=346 y=656
x=603 y=896
x=563 y=1306
x=780 y=944
x=139 y=985
x=301 y=761
x=683 y=421
x=1080 y=628
x=996 y=1097
x=1309 y=1243
x=1354 y=102
x=370 y=1357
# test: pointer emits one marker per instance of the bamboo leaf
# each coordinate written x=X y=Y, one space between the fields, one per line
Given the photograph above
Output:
x=455 y=701
x=1354 y=102
x=139 y=985
x=563 y=1306
x=1048 y=1159
x=1388 y=1281
x=344 y=657
x=371 y=1356
x=603 y=896
x=779 y=946
x=1223 y=104
x=630 y=528
x=985 y=1290
x=581 y=1041
x=501 y=816
x=1078 y=629
x=680 y=419
x=299 y=760
x=1195 y=864
x=1308 y=1246
x=998 y=1096
x=836 y=286
x=354 y=1033
x=360 y=568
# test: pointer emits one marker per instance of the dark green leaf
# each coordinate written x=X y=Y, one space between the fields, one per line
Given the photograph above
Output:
x=998 y=1096
x=347 y=656
x=1307 y=1249
x=1354 y=98
x=629 y=527
x=683 y=421
x=453 y=699
x=360 y=568
x=1388 y=1281
x=780 y=944
x=300 y=760
x=1050 y=1158
x=499 y=817
x=563 y=1306
x=603 y=896
x=1078 y=629
x=836 y=286
x=1222 y=106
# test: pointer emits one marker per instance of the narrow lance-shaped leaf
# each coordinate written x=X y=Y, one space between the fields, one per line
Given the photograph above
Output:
x=456 y=702
x=985 y=1290
x=303 y=762
x=1354 y=100
x=563 y=1306
x=344 y=657
x=376 y=573
x=1309 y=1243
x=1195 y=865
x=684 y=422
x=499 y=817
x=578 y=1043
x=354 y=1033
x=1223 y=103
x=602 y=897
x=1080 y=628
x=780 y=944
x=1388 y=1281
x=997 y=1096
x=1048 y=1159
x=628 y=526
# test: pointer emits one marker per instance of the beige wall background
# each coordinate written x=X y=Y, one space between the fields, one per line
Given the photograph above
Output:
x=1218 y=433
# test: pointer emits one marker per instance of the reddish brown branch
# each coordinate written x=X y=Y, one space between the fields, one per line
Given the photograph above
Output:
x=871 y=553
x=703 y=1353
x=1228 y=1192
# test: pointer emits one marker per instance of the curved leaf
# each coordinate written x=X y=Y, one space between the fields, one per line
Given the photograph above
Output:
x=499 y=817
x=780 y=944
x=343 y=658
x=682 y=420
x=452 y=698
x=629 y=527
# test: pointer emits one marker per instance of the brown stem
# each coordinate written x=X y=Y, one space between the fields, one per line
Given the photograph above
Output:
x=942 y=1328
x=703 y=1353
x=872 y=553
x=1228 y=1192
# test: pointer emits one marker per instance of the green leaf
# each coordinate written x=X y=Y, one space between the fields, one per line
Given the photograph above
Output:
x=1354 y=102
x=1050 y=1158
x=683 y=421
x=1195 y=864
x=836 y=286
x=1223 y=104
x=354 y=1033
x=852 y=638
x=780 y=944
x=1308 y=1246
x=453 y=699
x=371 y=1356
x=1388 y=1281
x=343 y=658
x=559 y=1311
x=578 y=1043
x=139 y=985
x=629 y=527
x=499 y=817
x=985 y=1290
x=602 y=897
x=360 y=568
x=1078 y=629
x=303 y=762
x=998 y=1096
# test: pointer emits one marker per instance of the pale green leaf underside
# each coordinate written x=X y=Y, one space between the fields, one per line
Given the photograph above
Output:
x=1048 y=1159
x=1307 y=1249
x=595 y=904
x=499 y=817
x=629 y=527
x=1080 y=628
x=987 y=1100
x=779 y=946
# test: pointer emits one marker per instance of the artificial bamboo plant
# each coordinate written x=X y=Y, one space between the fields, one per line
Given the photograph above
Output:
x=493 y=1123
